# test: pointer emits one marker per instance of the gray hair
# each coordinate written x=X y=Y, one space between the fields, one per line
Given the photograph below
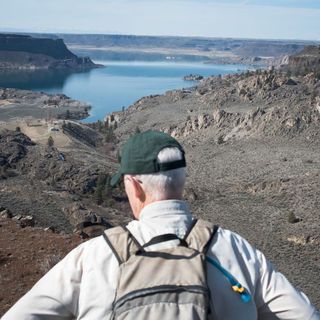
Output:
x=165 y=184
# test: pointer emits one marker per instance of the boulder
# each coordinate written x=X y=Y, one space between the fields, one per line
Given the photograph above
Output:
x=13 y=147
x=203 y=121
x=26 y=221
x=5 y=214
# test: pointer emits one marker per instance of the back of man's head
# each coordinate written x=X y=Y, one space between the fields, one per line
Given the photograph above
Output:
x=157 y=160
x=165 y=184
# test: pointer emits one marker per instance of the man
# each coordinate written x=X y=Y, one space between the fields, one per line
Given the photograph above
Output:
x=84 y=284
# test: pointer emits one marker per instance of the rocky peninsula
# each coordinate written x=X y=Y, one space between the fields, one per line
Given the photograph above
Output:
x=26 y=105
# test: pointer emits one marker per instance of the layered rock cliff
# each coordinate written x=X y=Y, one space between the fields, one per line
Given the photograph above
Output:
x=25 y=52
x=306 y=61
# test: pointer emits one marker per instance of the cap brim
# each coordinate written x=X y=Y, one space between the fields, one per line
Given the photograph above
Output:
x=115 y=179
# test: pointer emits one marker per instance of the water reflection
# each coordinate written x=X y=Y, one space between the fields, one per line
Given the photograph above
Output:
x=38 y=79
x=117 y=85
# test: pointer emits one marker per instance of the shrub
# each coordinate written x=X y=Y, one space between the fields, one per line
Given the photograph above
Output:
x=4 y=172
x=50 y=142
x=292 y=218
x=137 y=130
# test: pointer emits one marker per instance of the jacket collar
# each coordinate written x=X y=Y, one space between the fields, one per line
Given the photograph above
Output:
x=161 y=217
x=164 y=210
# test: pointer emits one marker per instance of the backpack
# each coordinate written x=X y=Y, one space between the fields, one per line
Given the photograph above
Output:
x=169 y=283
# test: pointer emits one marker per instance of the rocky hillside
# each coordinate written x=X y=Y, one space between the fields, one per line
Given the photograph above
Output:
x=260 y=103
x=252 y=142
x=52 y=197
x=19 y=51
x=58 y=188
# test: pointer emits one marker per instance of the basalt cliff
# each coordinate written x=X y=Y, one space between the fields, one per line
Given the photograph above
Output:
x=306 y=61
x=26 y=52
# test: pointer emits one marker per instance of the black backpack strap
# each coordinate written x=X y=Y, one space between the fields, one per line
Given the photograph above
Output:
x=194 y=221
x=214 y=232
x=201 y=235
x=134 y=240
x=171 y=236
x=164 y=238
x=115 y=252
x=122 y=243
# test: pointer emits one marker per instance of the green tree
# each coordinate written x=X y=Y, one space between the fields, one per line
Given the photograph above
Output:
x=68 y=114
x=109 y=135
x=100 y=126
x=102 y=193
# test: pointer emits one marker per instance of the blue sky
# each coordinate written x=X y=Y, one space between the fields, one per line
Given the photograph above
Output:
x=272 y=19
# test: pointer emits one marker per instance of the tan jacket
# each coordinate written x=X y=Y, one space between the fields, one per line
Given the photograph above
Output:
x=82 y=286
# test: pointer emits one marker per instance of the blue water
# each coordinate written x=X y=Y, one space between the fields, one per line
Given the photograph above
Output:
x=117 y=85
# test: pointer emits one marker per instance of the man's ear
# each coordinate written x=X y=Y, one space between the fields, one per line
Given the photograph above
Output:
x=139 y=192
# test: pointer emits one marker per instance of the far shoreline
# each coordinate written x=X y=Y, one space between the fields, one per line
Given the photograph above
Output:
x=106 y=101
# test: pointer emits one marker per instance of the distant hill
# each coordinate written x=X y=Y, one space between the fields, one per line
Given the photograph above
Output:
x=212 y=50
x=22 y=51
x=175 y=48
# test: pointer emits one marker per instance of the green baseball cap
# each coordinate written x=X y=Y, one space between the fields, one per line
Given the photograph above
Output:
x=139 y=155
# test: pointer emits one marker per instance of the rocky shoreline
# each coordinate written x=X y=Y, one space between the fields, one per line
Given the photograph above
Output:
x=22 y=104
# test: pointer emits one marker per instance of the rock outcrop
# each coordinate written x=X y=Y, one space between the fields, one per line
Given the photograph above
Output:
x=255 y=103
x=306 y=61
x=193 y=77
x=13 y=147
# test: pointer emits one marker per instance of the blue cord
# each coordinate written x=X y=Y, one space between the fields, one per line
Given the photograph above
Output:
x=236 y=286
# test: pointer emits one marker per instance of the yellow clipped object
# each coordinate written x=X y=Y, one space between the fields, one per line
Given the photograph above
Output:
x=238 y=289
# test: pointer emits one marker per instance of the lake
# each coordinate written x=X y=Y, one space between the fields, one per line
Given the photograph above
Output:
x=117 y=85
